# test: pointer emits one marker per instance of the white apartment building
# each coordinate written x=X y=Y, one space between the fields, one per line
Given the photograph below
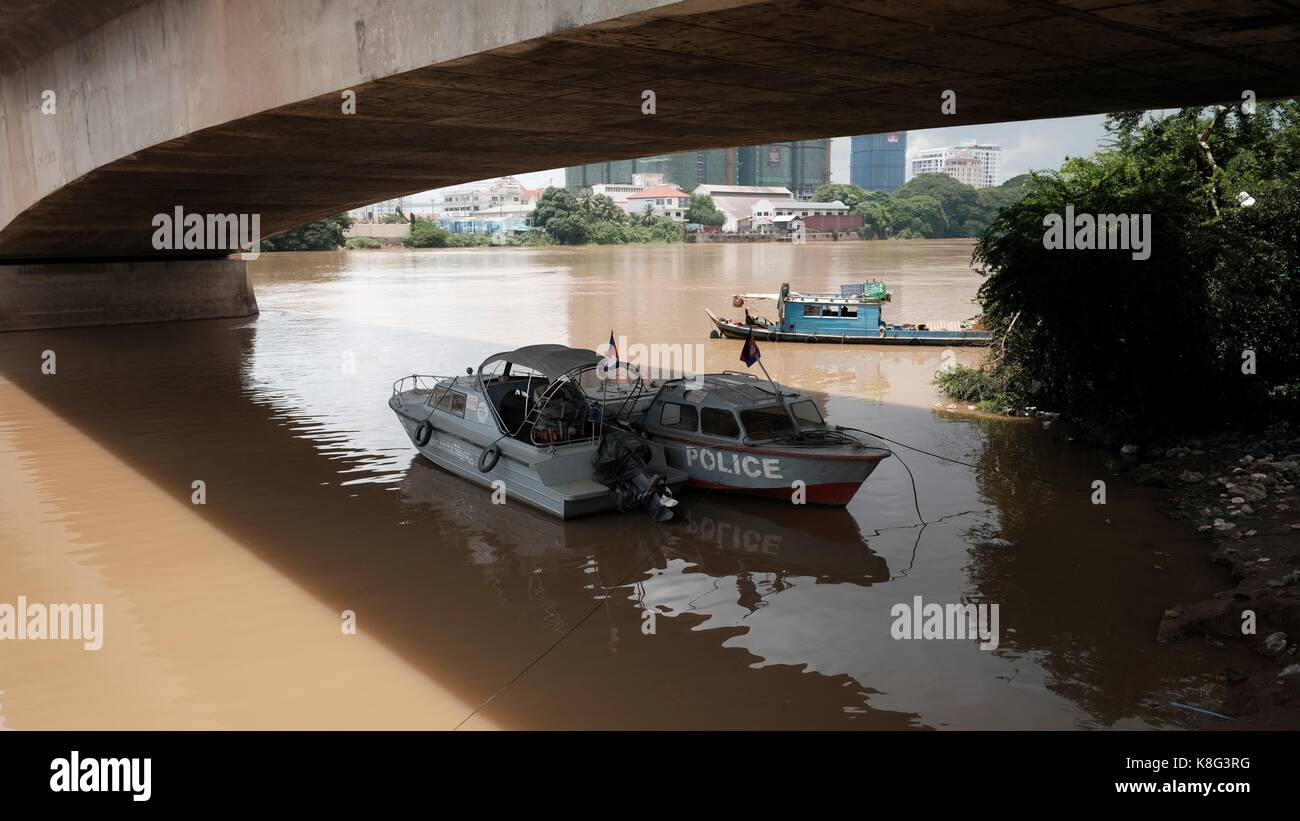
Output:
x=618 y=192
x=966 y=168
x=765 y=211
x=504 y=198
x=934 y=161
x=736 y=202
x=663 y=200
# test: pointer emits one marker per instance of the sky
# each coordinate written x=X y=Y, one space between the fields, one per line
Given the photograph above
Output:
x=1029 y=145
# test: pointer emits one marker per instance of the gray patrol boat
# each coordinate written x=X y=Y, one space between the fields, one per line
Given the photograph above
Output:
x=534 y=420
x=731 y=431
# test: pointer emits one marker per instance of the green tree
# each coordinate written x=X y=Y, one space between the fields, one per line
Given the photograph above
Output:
x=553 y=203
x=874 y=210
x=704 y=211
x=665 y=230
x=321 y=235
x=646 y=217
x=601 y=208
x=958 y=201
x=560 y=215
x=427 y=234
x=605 y=233
x=1118 y=340
x=568 y=229
x=570 y=220
x=990 y=201
x=916 y=216
x=848 y=194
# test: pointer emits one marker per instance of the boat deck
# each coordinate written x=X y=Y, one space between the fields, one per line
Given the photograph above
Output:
x=889 y=336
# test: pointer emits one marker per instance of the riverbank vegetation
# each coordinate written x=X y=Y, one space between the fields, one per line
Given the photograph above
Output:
x=1196 y=332
x=428 y=234
x=321 y=235
x=596 y=219
x=928 y=206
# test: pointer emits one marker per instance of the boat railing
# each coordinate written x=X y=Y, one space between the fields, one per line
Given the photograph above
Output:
x=588 y=430
x=619 y=398
x=814 y=436
x=421 y=383
x=628 y=402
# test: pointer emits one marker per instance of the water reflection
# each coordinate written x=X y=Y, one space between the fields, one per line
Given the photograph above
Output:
x=765 y=616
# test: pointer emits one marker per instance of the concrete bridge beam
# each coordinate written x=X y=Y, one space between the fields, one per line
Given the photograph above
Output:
x=67 y=294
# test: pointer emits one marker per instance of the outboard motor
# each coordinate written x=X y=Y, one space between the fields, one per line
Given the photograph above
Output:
x=621 y=463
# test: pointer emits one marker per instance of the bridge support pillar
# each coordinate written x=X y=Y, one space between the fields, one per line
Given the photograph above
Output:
x=68 y=294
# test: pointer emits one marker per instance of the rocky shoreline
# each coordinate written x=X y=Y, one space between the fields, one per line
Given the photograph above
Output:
x=1239 y=492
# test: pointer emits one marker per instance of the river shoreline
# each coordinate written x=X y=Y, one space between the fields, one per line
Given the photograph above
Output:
x=1238 y=491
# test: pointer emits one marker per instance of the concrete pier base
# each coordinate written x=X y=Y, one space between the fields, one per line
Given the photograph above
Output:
x=69 y=294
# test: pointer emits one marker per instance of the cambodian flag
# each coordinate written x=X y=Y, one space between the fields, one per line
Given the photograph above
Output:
x=749 y=354
x=610 y=365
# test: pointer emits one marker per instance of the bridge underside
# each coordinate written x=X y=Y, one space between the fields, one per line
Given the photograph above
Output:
x=724 y=72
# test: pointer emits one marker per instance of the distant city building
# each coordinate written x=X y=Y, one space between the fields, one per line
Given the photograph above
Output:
x=499 y=199
x=928 y=161
x=620 y=191
x=767 y=213
x=375 y=212
x=736 y=202
x=935 y=161
x=617 y=191
x=685 y=170
x=878 y=162
x=662 y=200
x=965 y=167
x=482 y=208
x=801 y=166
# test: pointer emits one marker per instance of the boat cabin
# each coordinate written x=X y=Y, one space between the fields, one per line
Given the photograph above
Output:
x=729 y=407
x=533 y=393
x=854 y=311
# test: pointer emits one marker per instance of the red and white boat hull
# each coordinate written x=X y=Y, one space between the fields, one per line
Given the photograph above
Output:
x=820 y=476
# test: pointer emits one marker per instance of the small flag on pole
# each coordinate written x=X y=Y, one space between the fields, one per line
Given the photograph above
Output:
x=749 y=354
x=610 y=365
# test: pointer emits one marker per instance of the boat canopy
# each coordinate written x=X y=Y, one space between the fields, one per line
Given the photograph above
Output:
x=868 y=290
x=732 y=391
x=851 y=293
x=552 y=361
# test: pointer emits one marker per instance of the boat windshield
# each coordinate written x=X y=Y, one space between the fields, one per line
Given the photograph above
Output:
x=773 y=421
x=807 y=414
x=600 y=381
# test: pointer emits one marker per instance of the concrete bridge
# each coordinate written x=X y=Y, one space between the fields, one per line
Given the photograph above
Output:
x=114 y=112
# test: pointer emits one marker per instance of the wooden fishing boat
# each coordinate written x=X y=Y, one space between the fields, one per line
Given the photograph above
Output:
x=854 y=315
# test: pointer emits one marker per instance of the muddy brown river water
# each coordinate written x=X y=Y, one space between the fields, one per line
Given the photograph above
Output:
x=468 y=614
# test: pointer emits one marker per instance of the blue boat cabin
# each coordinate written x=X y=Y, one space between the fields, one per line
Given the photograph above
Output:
x=832 y=317
x=854 y=311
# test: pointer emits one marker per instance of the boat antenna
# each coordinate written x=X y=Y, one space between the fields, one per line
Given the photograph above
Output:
x=750 y=355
